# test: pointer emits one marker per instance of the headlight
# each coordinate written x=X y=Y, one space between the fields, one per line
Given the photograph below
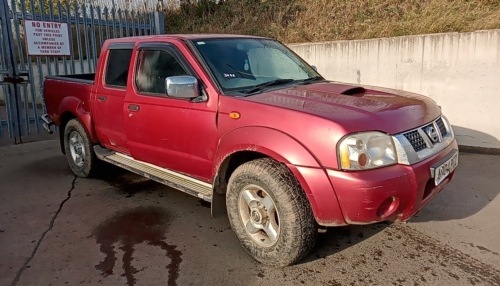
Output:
x=366 y=150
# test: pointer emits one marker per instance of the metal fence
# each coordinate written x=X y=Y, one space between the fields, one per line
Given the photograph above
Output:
x=21 y=74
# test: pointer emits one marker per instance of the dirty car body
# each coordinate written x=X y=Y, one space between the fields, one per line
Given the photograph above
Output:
x=244 y=123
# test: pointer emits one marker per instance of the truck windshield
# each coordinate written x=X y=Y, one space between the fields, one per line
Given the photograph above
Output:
x=247 y=66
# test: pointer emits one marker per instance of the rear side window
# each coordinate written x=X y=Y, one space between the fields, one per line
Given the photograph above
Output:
x=154 y=66
x=117 y=67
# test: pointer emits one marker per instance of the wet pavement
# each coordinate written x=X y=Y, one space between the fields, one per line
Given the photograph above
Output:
x=121 y=229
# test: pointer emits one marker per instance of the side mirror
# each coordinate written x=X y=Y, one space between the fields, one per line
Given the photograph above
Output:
x=314 y=68
x=182 y=86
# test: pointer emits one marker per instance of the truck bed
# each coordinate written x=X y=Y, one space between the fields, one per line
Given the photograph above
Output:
x=75 y=88
x=86 y=77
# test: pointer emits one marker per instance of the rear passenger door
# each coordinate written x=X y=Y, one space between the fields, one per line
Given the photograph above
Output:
x=108 y=108
x=177 y=134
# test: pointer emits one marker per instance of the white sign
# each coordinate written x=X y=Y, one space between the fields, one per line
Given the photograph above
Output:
x=47 y=38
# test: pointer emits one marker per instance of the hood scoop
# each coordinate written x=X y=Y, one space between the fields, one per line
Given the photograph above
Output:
x=358 y=90
x=344 y=89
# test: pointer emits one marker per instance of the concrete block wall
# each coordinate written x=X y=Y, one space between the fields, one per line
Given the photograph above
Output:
x=460 y=71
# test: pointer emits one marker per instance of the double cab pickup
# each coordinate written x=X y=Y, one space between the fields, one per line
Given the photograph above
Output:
x=244 y=123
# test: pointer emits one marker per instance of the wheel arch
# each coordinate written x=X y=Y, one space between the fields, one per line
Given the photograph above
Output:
x=249 y=143
x=70 y=108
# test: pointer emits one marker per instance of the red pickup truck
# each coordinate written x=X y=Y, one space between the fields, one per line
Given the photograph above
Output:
x=244 y=123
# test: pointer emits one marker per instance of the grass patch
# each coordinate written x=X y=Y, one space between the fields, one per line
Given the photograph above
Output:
x=295 y=21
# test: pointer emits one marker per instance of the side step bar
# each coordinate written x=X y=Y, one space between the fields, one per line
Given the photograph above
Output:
x=172 y=179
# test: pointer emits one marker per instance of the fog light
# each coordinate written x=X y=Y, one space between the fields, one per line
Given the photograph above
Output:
x=388 y=207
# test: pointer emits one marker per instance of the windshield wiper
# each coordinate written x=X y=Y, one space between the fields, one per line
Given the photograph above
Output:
x=242 y=74
x=310 y=80
x=260 y=87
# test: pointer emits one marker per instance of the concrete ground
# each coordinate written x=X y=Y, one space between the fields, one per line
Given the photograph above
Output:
x=56 y=229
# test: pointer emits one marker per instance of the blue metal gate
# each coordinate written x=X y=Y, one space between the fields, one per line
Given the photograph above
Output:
x=21 y=74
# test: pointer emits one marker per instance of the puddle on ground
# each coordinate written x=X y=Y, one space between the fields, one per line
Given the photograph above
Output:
x=130 y=228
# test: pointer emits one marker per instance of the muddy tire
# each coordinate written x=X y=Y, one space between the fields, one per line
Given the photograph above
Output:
x=270 y=213
x=79 y=149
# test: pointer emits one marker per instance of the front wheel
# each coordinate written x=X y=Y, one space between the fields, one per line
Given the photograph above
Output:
x=269 y=213
x=78 y=147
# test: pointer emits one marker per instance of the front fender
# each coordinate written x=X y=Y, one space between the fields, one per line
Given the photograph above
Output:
x=289 y=151
x=268 y=141
x=74 y=106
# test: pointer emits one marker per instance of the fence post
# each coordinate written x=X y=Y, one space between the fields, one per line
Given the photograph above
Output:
x=13 y=100
x=159 y=19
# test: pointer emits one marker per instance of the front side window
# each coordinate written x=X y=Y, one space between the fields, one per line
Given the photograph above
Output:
x=153 y=67
x=117 y=67
x=243 y=64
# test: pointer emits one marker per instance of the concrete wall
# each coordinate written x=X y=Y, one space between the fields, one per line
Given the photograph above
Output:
x=460 y=71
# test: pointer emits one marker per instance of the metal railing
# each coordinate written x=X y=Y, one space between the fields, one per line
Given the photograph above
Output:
x=21 y=74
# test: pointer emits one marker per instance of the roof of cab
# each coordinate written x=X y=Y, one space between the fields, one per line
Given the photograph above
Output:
x=181 y=36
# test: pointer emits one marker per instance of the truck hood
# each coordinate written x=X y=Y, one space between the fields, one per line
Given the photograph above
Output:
x=355 y=107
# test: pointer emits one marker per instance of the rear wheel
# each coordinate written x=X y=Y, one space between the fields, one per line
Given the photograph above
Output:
x=78 y=147
x=270 y=213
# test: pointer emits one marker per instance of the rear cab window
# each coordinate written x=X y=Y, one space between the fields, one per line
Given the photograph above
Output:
x=117 y=65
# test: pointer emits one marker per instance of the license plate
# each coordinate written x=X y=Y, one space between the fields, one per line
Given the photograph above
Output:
x=442 y=170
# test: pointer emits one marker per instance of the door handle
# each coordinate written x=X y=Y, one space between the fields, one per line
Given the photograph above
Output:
x=102 y=98
x=133 y=107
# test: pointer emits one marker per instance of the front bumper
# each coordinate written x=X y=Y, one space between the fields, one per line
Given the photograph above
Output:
x=391 y=193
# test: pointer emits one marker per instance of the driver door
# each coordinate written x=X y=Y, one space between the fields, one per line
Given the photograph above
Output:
x=172 y=133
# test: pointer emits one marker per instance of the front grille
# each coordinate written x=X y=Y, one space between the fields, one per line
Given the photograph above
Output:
x=424 y=141
x=427 y=126
x=416 y=141
x=441 y=126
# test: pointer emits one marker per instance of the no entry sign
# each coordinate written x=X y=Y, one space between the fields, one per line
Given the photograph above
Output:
x=47 y=38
